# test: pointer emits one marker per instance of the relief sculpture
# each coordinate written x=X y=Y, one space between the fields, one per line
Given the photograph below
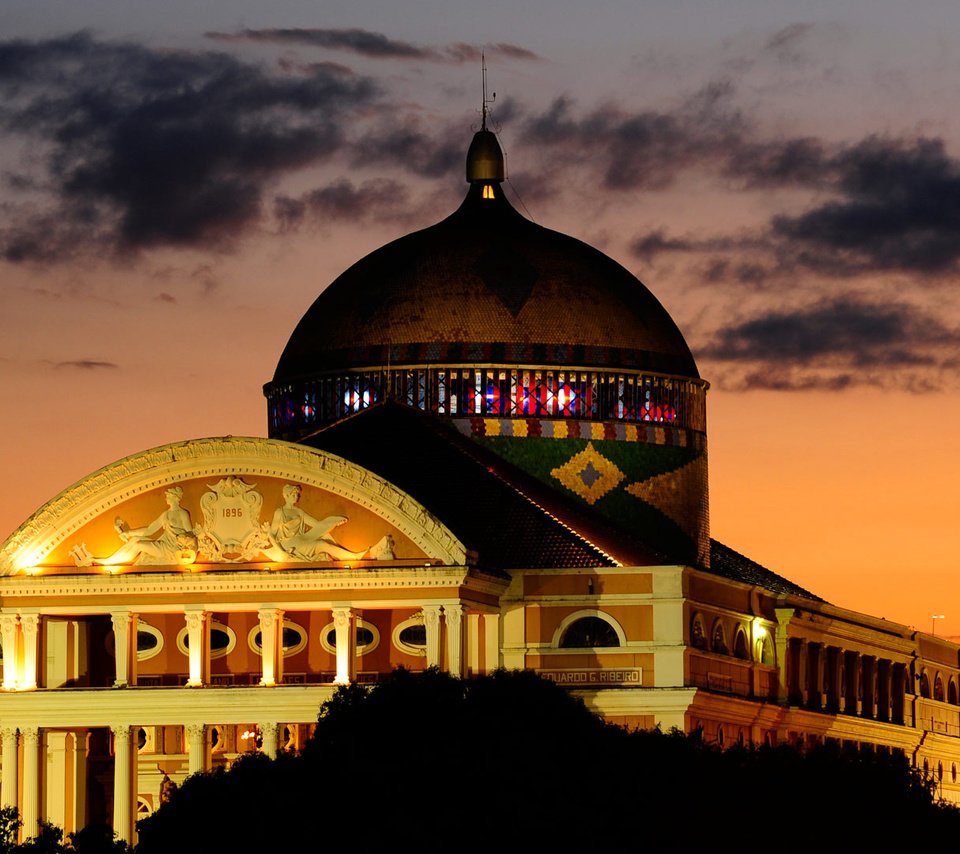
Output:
x=232 y=532
x=297 y=536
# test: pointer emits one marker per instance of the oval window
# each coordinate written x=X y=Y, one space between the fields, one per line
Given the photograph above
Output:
x=411 y=636
x=368 y=637
x=293 y=639
x=222 y=640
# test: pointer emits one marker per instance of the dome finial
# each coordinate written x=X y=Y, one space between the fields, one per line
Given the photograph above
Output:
x=484 y=157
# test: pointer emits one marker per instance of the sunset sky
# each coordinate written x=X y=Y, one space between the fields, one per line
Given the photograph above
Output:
x=179 y=180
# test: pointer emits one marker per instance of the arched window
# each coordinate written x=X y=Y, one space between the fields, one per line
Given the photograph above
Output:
x=718 y=639
x=698 y=634
x=765 y=651
x=588 y=629
x=589 y=632
x=740 y=644
x=924 y=685
x=938 y=688
x=952 y=691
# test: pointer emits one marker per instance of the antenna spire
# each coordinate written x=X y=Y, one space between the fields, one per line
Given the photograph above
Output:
x=483 y=74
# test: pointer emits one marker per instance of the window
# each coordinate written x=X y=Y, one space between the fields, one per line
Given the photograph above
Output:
x=149 y=641
x=368 y=637
x=222 y=640
x=589 y=632
x=293 y=639
x=698 y=635
x=718 y=639
x=740 y=644
x=410 y=636
x=938 y=688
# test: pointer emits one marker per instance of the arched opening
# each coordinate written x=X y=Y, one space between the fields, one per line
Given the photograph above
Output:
x=740 y=644
x=718 y=639
x=589 y=632
x=698 y=634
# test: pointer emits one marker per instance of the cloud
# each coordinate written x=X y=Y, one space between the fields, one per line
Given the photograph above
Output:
x=88 y=365
x=647 y=149
x=834 y=344
x=140 y=148
x=898 y=208
x=343 y=201
x=375 y=45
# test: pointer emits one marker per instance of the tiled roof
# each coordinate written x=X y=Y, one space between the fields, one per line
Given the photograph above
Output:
x=507 y=517
x=728 y=563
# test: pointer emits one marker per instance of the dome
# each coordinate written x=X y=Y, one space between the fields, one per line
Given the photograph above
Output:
x=486 y=284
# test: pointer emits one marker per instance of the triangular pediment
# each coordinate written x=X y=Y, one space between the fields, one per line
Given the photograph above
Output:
x=215 y=503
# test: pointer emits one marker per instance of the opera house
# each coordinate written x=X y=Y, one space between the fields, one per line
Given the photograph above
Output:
x=488 y=448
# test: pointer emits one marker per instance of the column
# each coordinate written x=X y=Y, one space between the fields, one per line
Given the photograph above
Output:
x=81 y=743
x=198 y=644
x=271 y=619
x=345 y=626
x=123 y=781
x=453 y=617
x=56 y=744
x=491 y=642
x=851 y=667
x=883 y=689
x=268 y=738
x=8 y=637
x=8 y=780
x=31 y=781
x=431 y=622
x=124 y=646
x=786 y=664
x=197 y=748
x=29 y=625
x=473 y=644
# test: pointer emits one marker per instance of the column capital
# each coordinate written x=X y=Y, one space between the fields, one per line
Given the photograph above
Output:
x=121 y=730
x=268 y=617
x=196 y=730
x=195 y=618
x=454 y=612
x=121 y=619
x=8 y=621
x=29 y=624
x=8 y=732
x=431 y=615
x=30 y=735
x=341 y=617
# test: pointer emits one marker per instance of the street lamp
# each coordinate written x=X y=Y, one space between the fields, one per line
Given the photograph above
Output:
x=933 y=622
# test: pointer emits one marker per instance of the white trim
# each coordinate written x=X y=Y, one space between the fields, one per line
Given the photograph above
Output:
x=146 y=628
x=409 y=649
x=570 y=619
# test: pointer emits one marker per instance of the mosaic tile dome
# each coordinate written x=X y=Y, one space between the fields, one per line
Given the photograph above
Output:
x=486 y=284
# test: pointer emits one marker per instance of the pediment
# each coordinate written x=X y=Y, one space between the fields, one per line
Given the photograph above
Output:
x=213 y=503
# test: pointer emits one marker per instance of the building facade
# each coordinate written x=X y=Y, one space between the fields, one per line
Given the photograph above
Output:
x=487 y=449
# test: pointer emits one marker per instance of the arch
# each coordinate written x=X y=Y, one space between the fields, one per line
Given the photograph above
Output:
x=698 y=634
x=938 y=688
x=99 y=493
x=740 y=648
x=766 y=653
x=569 y=630
x=718 y=638
x=952 y=691
x=924 y=684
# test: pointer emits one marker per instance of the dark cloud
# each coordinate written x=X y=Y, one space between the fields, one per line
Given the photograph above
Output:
x=374 y=45
x=646 y=150
x=140 y=148
x=88 y=365
x=834 y=344
x=342 y=200
x=163 y=296
x=898 y=209
x=434 y=154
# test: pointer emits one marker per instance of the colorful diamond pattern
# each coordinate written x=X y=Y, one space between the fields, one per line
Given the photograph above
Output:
x=589 y=474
